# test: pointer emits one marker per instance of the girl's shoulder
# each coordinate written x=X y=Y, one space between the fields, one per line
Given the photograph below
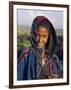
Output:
x=24 y=54
x=55 y=59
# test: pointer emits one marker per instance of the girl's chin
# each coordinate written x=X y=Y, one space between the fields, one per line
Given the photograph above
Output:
x=40 y=47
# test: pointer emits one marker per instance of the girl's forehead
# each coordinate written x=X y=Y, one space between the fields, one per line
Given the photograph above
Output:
x=42 y=29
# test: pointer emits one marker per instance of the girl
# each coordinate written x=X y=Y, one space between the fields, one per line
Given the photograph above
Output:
x=39 y=61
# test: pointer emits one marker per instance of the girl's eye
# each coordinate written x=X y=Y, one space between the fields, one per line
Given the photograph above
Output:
x=44 y=35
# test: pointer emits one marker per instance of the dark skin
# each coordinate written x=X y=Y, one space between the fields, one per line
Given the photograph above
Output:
x=42 y=38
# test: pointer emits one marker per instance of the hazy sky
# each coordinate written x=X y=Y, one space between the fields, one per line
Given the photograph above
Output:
x=25 y=17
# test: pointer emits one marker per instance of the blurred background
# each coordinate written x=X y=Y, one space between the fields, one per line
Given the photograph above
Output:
x=24 y=21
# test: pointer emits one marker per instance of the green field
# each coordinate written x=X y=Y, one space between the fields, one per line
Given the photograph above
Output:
x=24 y=33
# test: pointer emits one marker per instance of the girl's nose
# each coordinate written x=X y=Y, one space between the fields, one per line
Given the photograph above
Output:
x=40 y=39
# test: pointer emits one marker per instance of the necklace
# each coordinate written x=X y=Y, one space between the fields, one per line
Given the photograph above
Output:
x=43 y=58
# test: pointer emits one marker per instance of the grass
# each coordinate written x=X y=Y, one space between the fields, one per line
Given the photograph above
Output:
x=23 y=33
x=22 y=41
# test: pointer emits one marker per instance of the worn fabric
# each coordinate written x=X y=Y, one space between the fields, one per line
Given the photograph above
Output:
x=29 y=67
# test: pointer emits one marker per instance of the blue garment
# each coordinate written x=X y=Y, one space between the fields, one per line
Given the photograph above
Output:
x=29 y=68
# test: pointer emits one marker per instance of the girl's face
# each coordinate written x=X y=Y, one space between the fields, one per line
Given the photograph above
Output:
x=42 y=37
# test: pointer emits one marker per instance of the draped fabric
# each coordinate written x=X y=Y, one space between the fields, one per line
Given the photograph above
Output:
x=29 y=66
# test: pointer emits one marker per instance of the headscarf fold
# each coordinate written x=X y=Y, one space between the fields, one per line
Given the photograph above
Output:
x=52 y=39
